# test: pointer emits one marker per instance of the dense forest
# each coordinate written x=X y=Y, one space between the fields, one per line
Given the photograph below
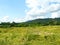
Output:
x=36 y=22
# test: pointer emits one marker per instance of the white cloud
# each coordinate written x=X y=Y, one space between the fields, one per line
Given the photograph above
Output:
x=9 y=19
x=42 y=17
x=41 y=8
x=36 y=3
x=54 y=8
x=5 y=19
x=18 y=19
x=54 y=15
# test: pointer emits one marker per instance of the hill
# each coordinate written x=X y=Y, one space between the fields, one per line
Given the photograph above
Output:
x=36 y=22
x=43 y=22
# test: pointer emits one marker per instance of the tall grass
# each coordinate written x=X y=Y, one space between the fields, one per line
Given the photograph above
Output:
x=43 y=35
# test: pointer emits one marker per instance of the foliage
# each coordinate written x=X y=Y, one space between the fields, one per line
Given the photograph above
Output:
x=32 y=23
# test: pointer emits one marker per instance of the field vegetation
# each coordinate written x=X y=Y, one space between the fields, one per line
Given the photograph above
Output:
x=37 y=35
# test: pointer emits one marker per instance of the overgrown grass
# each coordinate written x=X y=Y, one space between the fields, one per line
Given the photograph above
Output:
x=43 y=35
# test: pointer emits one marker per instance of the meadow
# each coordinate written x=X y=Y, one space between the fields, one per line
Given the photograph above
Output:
x=38 y=35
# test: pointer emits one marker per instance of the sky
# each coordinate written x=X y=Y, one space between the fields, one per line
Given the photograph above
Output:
x=11 y=10
x=24 y=10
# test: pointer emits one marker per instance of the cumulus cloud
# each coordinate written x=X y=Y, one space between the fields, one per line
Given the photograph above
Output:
x=55 y=14
x=19 y=19
x=41 y=8
x=4 y=19
x=9 y=19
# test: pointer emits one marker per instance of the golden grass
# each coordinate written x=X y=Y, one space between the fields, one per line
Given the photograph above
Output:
x=43 y=35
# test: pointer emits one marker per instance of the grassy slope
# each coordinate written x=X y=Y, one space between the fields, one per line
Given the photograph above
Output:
x=44 y=35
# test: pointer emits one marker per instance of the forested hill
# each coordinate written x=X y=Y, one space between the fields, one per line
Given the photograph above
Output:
x=36 y=22
x=47 y=21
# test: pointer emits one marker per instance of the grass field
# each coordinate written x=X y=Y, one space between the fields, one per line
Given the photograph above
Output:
x=43 y=35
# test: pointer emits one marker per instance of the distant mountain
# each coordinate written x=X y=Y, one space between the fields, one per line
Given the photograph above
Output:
x=45 y=21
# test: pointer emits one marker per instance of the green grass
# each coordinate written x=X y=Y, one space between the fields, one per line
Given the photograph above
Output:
x=43 y=35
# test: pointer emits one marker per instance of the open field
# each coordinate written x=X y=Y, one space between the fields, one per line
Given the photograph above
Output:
x=43 y=35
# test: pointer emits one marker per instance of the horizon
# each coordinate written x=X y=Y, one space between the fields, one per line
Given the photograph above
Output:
x=24 y=10
x=30 y=20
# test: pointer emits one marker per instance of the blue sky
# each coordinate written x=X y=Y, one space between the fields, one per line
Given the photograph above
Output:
x=12 y=8
x=23 y=10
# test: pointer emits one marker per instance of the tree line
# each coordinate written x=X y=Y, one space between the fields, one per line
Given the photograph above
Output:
x=37 y=22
